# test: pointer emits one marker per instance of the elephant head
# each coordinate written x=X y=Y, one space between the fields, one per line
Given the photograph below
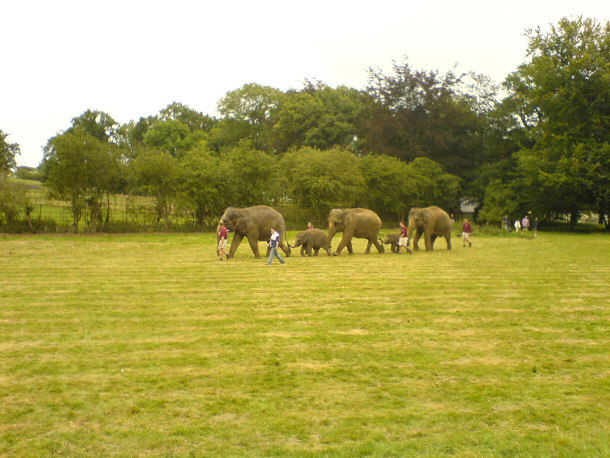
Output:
x=233 y=220
x=418 y=217
x=337 y=220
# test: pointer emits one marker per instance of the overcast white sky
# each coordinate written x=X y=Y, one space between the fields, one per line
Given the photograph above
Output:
x=132 y=58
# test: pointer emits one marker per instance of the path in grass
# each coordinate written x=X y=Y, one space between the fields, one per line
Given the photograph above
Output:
x=148 y=345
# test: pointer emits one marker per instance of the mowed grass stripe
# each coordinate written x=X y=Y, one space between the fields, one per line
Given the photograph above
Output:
x=148 y=345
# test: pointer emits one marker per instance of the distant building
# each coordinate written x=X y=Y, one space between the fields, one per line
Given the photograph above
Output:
x=468 y=206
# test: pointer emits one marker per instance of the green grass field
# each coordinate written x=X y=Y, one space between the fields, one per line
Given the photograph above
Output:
x=147 y=345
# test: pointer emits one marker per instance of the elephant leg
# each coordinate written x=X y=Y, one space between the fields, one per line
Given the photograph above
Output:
x=254 y=245
x=350 y=248
x=303 y=249
x=448 y=238
x=237 y=238
x=368 y=247
x=432 y=240
x=347 y=239
x=428 y=240
x=309 y=249
x=418 y=234
x=379 y=246
x=316 y=251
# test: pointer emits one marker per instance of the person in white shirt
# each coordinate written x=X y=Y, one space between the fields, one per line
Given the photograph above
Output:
x=273 y=244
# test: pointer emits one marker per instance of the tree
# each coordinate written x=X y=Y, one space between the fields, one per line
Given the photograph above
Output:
x=156 y=174
x=388 y=186
x=205 y=185
x=431 y=185
x=13 y=199
x=82 y=169
x=321 y=180
x=253 y=175
x=173 y=137
x=97 y=124
x=561 y=97
x=193 y=119
x=254 y=108
x=320 y=117
x=425 y=114
x=8 y=153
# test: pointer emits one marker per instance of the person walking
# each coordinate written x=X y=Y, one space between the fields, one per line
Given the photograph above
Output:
x=517 y=225
x=506 y=223
x=403 y=240
x=222 y=243
x=525 y=223
x=274 y=242
x=466 y=231
x=536 y=224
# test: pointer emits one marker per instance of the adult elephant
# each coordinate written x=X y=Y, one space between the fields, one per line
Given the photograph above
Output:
x=255 y=224
x=432 y=222
x=311 y=239
x=354 y=222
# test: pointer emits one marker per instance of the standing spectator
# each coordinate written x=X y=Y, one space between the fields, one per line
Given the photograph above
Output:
x=274 y=242
x=222 y=243
x=309 y=226
x=517 y=225
x=452 y=218
x=536 y=224
x=525 y=223
x=403 y=240
x=466 y=231
x=506 y=223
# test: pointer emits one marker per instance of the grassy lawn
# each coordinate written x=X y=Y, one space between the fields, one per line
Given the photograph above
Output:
x=147 y=345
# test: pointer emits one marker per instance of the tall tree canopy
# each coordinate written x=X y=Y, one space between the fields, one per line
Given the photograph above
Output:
x=427 y=114
x=321 y=117
x=562 y=99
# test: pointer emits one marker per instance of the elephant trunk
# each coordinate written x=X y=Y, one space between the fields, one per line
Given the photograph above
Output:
x=331 y=233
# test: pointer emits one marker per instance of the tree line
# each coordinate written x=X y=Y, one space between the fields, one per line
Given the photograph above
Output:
x=538 y=142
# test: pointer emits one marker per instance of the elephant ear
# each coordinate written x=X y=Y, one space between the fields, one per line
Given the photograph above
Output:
x=347 y=219
x=425 y=217
x=241 y=224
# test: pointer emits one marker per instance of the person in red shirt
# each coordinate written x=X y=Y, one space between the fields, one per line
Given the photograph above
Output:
x=222 y=243
x=466 y=231
x=403 y=240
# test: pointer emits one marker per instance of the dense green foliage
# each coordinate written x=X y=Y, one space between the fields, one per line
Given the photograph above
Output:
x=410 y=138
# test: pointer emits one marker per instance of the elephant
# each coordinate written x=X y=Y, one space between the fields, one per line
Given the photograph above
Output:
x=392 y=239
x=354 y=222
x=255 y=224
x=432 y=222
x=312 y=239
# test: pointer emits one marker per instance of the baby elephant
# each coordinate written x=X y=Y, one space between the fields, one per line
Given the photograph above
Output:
x=392 y=239
x=312 y=239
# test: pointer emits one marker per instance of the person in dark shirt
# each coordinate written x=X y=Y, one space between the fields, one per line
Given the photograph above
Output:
x=536 y=224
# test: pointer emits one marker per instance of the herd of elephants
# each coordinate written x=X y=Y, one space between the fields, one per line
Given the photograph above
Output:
x=255 y=224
